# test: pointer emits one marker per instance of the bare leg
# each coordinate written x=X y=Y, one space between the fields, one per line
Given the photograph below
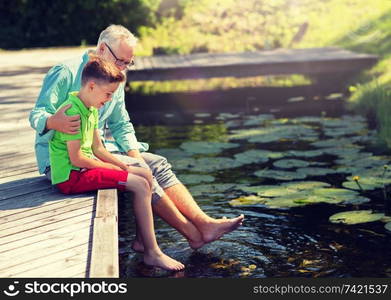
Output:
x=166 y=209
x=144 y=218
x=211 y=229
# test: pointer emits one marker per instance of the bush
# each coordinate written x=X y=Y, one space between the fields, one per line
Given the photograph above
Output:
x=31 y=23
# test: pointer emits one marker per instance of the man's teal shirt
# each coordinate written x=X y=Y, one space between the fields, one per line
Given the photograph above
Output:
x=58 y=83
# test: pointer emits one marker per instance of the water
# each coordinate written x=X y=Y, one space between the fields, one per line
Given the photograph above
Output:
x=295 y=242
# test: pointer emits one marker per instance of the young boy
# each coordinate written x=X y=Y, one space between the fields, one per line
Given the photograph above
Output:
x=80 y=163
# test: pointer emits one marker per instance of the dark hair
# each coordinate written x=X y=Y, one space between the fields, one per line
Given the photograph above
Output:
x=101 y=70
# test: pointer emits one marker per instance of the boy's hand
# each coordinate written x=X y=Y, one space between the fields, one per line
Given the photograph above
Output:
x=143 y=172
x=113 y=167
x=63 y=123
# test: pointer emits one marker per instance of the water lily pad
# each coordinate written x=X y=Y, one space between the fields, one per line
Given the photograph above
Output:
x=337 y=195
x=314 y=171
x=344 y=121
x=302 y=153
x=256 y=156
x=225 y=116
x=350 y=158
x=214 y=190
x=388 y=226
x=290 y=163
x=252 y=156
x=386 y=219
x=334 y=192
x=337 y=143
x=339 y=132
x=302 y=193
x=278 y=202
x=248 y=200
x=348 y=170
x=233 y=123
x=257 y=120
x=287 y=132
x=184 y=163
x=342 y=152
x=276 y=133
x=256 y=189
x=366 y=183
x=306 y=185
x=355 y=217
x=195 y=178
x=279 y=175
x=202 y=115
x=172 y=153
x=205 y=164
x=372 y=161
x=206 y=147
x=275 y=191
x=295 y=99
x=309 y=119
x=284 y=202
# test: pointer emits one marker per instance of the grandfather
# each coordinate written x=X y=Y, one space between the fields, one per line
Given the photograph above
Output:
x=171 y=200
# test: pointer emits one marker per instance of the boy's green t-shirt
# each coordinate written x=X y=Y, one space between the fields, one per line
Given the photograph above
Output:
x=60 y=163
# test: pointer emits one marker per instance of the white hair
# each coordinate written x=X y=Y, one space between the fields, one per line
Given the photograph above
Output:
x=115 y=33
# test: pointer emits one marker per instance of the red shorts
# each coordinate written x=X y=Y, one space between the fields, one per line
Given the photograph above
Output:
x=92 y=180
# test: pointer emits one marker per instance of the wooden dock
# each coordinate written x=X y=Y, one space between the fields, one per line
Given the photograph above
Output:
x=310 y=61
x=42 y=232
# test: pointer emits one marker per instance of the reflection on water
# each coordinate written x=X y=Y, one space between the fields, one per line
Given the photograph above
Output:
x=295 y=242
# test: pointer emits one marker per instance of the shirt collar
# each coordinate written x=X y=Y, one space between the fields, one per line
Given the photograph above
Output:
x=76 y=100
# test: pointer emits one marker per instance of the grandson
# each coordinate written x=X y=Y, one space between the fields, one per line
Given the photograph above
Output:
x=80 y=163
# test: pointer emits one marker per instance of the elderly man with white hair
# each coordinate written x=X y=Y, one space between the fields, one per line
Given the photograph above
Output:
x=171 y=200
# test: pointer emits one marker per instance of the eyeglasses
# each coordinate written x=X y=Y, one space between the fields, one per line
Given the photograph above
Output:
x=120 y=62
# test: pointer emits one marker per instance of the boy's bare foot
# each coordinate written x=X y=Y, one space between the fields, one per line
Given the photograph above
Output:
x=163 y=261
x=137 y=246
x=215 y=229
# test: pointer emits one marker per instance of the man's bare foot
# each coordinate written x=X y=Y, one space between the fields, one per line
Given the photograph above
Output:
x=163 y=261
x=196 y=244
x=137 y=246
x=215 y=229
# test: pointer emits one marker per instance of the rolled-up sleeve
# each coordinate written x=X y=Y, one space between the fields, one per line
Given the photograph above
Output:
x=54 y=91
x=122 y=129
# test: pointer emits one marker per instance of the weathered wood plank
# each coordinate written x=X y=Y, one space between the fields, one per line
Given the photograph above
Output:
x=46 y=221
x=107 y=203
x=104 y=257
x=34 y=200
x=26 y=190
x=18 y=170
x=46 y=216
x=44 y=247
x=29 y=201
x=15 y=184
x=73 y=270
x=44 y=229
x=30 y=268
x=26 y=175
x=55 y=234
x=49 y=207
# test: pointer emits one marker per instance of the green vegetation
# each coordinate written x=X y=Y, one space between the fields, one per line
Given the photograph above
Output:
x=46 y=23
x=228 y=25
